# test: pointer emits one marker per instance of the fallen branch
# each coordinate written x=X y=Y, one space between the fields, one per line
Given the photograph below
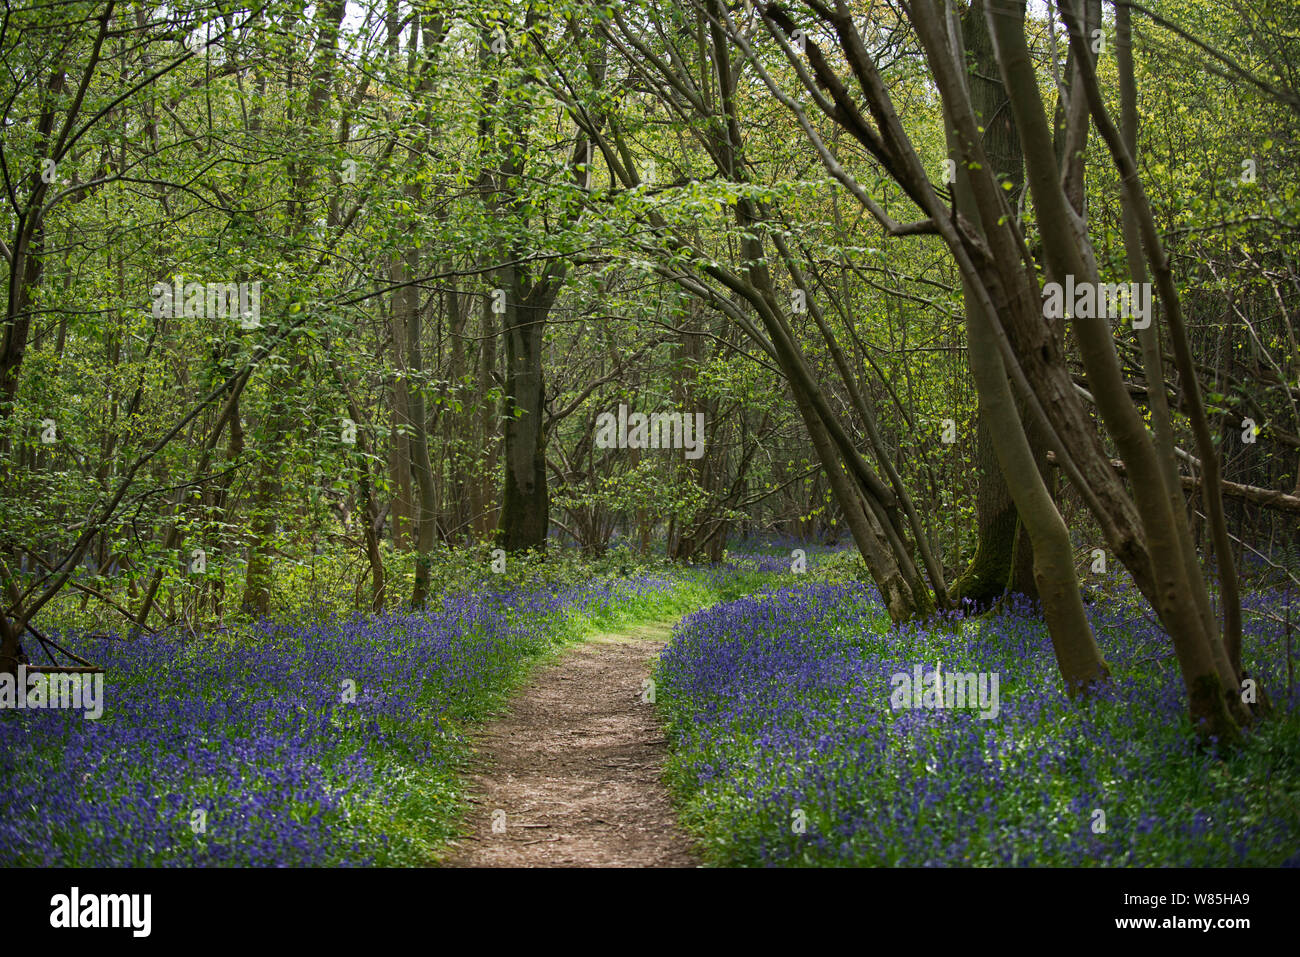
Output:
x=1267 y=497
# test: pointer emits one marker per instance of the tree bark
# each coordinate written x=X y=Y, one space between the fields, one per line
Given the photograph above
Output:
x=1000 y=560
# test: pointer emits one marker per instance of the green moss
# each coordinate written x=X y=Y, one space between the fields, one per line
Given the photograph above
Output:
x=985 y=579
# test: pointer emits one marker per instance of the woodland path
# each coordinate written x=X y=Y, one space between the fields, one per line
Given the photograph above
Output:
x=575 y=766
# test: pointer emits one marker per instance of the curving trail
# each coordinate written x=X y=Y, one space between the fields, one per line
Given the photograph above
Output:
x=575 y=766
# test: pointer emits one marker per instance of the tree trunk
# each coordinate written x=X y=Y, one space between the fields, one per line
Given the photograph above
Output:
x=410 y=315
x=997 y=549
x=525 y=503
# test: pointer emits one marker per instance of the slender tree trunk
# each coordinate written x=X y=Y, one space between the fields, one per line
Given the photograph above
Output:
x=525 y=502
x=303 y=175
x=411 y=314
x=483 y=504
x=399 y=448
x=1000 y=560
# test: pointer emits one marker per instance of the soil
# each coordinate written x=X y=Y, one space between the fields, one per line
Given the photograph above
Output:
x=573 y=769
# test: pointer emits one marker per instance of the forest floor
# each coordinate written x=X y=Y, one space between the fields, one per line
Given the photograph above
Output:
x=572 y=770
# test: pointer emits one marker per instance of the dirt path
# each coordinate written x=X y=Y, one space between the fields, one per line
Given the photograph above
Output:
x=572 y=771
